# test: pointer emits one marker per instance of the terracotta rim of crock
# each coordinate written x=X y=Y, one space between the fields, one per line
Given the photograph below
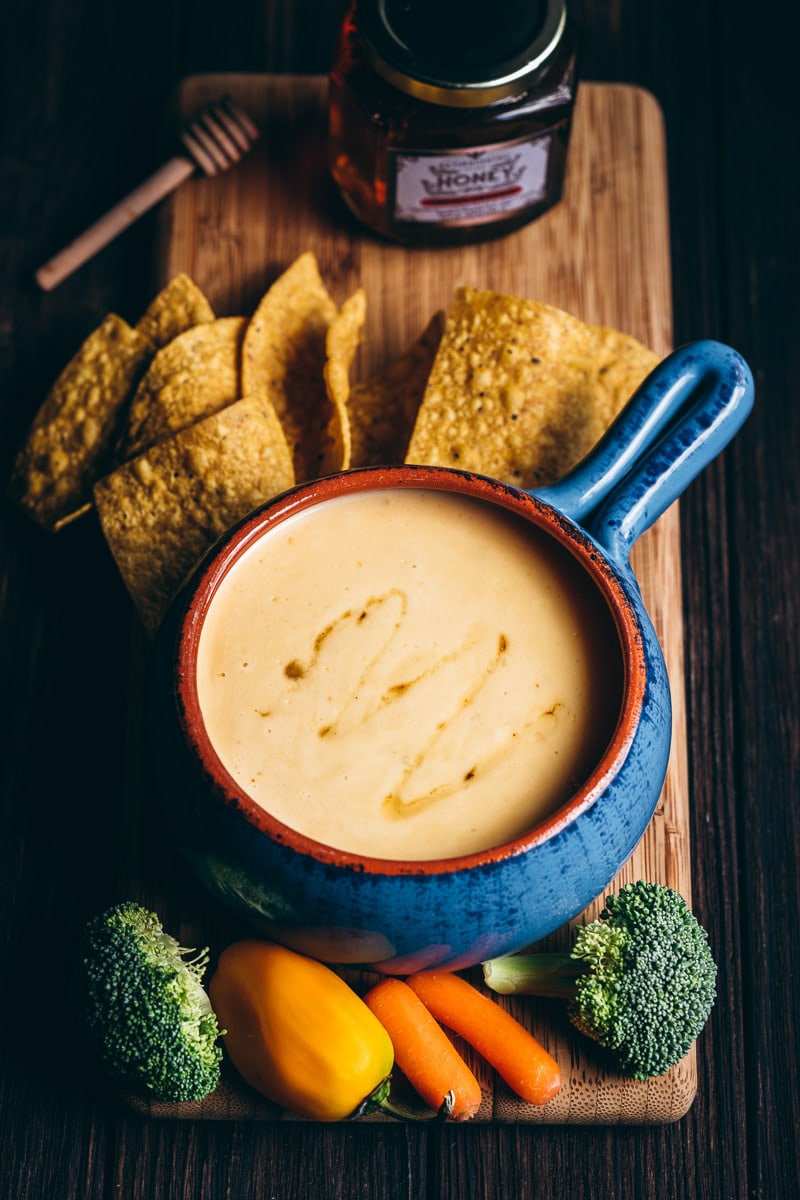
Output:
x=274 y=512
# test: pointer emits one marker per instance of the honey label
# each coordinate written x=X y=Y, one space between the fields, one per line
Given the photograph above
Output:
x=466 y=187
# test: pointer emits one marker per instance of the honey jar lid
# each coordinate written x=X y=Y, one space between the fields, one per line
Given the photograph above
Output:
x=462 y=53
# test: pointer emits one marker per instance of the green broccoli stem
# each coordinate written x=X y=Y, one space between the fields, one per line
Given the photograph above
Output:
x=547 y=975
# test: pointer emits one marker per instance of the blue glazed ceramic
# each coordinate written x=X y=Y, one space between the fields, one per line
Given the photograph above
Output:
x=401 y=916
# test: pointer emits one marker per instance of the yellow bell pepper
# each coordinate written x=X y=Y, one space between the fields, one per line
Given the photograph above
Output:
x=297 y=1033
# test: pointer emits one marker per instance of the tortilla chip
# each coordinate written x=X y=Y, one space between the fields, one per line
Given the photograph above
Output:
x=161 y=511
x=284 y=355
x=384 y=408
x=522 y=391
x=193 y=376
x=70 y=437
x=509 y=394
x=621 y=364
x=178 y=306
x=341 y=343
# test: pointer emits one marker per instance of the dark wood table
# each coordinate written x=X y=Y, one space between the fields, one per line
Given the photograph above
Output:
x=84 y=85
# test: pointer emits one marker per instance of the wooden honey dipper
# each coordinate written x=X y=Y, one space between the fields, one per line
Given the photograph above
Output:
x=215 y=138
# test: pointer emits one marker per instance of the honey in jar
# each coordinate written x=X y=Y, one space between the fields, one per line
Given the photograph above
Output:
x=449 y=120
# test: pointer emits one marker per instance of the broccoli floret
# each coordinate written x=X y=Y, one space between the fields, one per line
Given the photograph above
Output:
x=640 y=980
x=145 y=1007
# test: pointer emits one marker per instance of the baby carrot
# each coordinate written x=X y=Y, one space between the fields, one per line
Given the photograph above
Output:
x=424 y=1052
x=497 y=1036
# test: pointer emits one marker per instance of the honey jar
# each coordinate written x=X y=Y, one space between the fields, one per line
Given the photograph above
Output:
x=449 y=120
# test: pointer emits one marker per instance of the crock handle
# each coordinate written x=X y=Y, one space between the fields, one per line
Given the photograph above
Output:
x=681 y=417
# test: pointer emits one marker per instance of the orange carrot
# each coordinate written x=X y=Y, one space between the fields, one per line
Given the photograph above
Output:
x=497 y=1036
x=424 y=1052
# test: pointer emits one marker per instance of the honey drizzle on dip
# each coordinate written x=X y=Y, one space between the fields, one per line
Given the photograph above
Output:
x=408 y=674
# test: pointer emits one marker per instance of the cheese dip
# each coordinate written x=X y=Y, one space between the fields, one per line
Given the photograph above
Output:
x=408 y=673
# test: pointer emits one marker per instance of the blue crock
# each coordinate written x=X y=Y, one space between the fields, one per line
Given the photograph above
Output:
x=401 y=916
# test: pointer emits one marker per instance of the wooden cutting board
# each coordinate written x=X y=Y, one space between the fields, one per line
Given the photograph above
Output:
x=602 y=254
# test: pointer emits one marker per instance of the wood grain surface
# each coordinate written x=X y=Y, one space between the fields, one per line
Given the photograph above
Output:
x=602 y=254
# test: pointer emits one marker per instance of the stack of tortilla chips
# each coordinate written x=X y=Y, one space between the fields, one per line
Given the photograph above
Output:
x=175 y=428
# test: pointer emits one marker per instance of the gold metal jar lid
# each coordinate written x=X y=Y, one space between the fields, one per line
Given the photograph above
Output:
x=461 y=53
